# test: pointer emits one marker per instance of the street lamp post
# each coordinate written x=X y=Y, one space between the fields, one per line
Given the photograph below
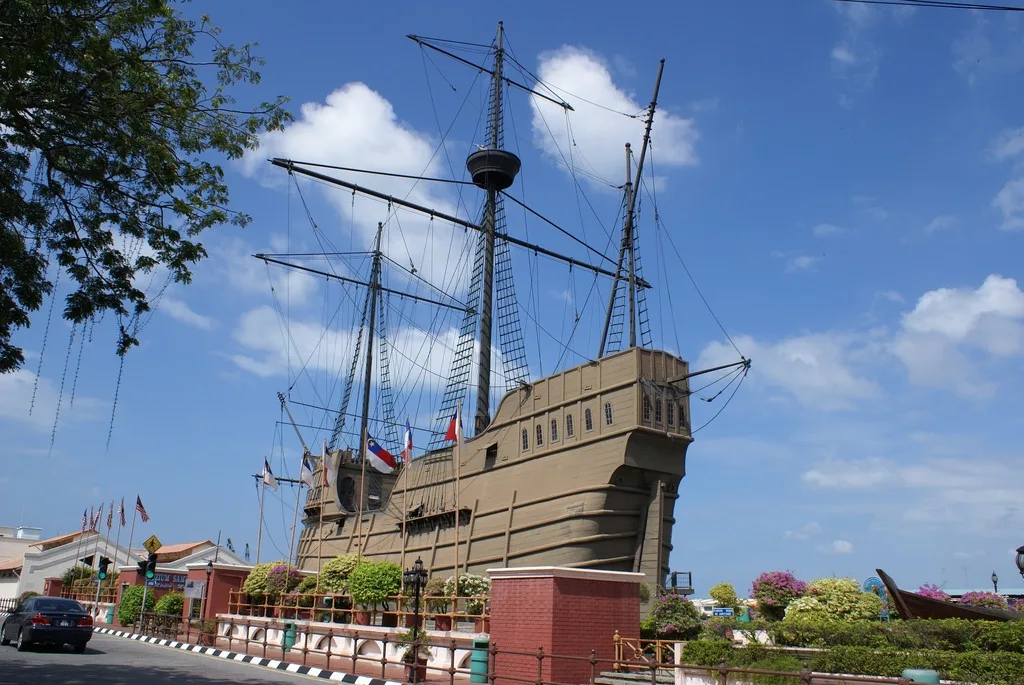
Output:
x=206 y=589
x=995 y=583
x=415 y=577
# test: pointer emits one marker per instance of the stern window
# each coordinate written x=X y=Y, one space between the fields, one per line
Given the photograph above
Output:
x=554 y=430
x=568 y=425
x=608 y=413
x=657 y=410
x=671 y=406
x=526 y=439
x=588 y=420
x=647 y=408
x=540 y=435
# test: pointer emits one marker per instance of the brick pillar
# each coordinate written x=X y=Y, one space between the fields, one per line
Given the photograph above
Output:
x=223 y=581
x=52 y=587
x=564 y=612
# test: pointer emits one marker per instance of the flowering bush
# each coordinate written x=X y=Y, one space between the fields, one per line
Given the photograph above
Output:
x=1016 y=605
x=675 y=617
x=470 y=585
x=984 y=599
x=256 y=582
x=932 y=592
x=334 y=574
x=835 y=599
x=283 y=578
x=774 y=590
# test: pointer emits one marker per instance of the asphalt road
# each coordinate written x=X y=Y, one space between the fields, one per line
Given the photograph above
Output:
x=113 y=660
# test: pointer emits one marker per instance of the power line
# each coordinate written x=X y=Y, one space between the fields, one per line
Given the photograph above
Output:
x=944 y=4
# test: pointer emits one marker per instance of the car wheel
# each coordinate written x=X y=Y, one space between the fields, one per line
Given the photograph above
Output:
x=4 y=640
x=22 y=642
x=79 y=647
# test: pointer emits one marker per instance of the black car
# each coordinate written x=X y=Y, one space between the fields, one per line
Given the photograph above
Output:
x=52 y=620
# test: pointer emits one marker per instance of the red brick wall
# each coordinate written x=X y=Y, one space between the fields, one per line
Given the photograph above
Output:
x=566 y=616
x=222 y=582
x=52 y=587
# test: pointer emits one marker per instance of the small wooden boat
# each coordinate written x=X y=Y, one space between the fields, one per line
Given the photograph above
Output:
x=913 y=605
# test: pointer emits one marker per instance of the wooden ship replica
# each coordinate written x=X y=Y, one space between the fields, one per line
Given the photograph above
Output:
x=577 y=469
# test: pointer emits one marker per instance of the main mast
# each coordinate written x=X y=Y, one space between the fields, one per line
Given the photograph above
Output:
x=493 y=169
x=365 y=425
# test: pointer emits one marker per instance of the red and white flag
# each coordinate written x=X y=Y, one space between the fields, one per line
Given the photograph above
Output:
x=379 y=458
x=327 y=469
x=455 y=427
x=141 y=509
x=120 y=512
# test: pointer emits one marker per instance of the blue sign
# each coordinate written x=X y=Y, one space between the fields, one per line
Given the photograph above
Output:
x=721 y=611
x=876 y=586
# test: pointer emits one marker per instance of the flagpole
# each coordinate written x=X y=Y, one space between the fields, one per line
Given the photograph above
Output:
x=117 y=542
x=457 y=452
x=295 y=521
x=362 y=496
x=259 y=529
x=78 y=548
x=320 y=517
x=96 y=547
x=131 y=535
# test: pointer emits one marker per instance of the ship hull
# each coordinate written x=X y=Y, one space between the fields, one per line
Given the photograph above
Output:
x=596 y=491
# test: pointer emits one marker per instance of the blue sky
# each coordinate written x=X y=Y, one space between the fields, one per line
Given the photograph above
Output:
x=845 y=183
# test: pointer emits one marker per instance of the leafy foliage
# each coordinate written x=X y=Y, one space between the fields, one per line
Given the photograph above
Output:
x=675 y=617
x=724 y=595
x=949 y=634
x=470 y=585
x=834 y=599
x=256 y=582
x=106 y=129
x=335 y=573
x=435 y=587
x=307 y=585
x=76 y=573
x=130 y=608
x=171 y=603
x=984 y=599
x=932 y=592
x=28 y=594
x=373 y=582
x=282 y=578
x=774 y=590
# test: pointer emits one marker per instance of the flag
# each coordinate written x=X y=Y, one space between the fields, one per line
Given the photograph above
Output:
x=120 y=512
x=407 y=442
x=110 y=516
x=268 y=475
x=84 y=519
x=247 y=551
x=99 y=517
x=230 y=546
x=455 y=427
x=141 y=509
x=327 y=466
x=92 y=520
x=306 y=472
x=379 y=457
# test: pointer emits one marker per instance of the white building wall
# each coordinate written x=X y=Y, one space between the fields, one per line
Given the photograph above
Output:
x=39 y=566
x=8 y=588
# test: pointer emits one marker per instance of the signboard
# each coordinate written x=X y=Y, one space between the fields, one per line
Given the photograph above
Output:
x=194 y=589
x=721 y=611
x=876 y=586
x=168 y=581
x=152 y=544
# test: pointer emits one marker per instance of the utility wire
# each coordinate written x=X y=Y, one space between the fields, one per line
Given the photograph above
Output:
x=943 y=4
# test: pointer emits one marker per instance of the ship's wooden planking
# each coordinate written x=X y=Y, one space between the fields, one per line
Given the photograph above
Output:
x=600 y=494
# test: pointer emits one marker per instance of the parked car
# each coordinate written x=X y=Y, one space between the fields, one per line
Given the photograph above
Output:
x=51 y=620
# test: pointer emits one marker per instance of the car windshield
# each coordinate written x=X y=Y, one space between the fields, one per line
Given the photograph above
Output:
x=57 y=604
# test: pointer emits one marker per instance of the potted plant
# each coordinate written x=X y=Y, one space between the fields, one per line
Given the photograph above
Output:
x=207 y=632
x=437 y=605
x=372 y=584
x=476 y=589
x=414 y=655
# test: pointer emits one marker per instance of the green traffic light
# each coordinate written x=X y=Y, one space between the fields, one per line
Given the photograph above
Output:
x=103 y=575
x=150 y=573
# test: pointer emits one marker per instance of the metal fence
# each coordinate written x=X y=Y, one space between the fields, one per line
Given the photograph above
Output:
x=8 y=604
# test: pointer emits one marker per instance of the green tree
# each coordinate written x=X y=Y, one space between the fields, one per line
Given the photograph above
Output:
x=107 y=124
x=834 y=599
x=724 y=595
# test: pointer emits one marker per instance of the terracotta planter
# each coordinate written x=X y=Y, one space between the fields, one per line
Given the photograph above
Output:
x=410 y=621
x=416 y=673
x=483 y=625
x=389 y=619
x=361 y=618
x=442 y=622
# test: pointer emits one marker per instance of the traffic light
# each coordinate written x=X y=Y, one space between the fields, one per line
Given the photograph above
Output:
x=104 y=563
x=150 y=566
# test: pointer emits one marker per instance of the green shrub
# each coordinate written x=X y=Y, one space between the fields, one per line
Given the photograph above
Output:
x=675 y=617
x=171 y=603
x=435 y=587
x=707 y=652
x=255 y=583
x=307 y=585
x=335 y=573
x=373 y=583
x=28 y=594
x=956 y=635
x=76 y=573
x=645 y=592
x=724 y=595
x=834 y=599
x=131 y=604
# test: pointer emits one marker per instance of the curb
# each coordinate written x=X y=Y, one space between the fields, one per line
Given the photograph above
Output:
x=253 y=660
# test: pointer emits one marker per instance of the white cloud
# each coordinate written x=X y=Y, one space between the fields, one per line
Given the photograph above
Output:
x=843 y=55
x=825 y=230
x=598 y=134
x=801 y=263
x=817 y=368
x=177 y=309
x=892 y=296
x=855 y=58
x=249 y=275
x=842 y=547
x=866 y=474
x=807 y=531
x=1010 y=201
x=940 y=223
x=870 y=206
x=1009 y=144
x=16 y=398
x=357 y=127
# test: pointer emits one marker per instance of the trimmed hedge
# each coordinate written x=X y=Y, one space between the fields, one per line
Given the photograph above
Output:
x=995 y=667
x=953 y=635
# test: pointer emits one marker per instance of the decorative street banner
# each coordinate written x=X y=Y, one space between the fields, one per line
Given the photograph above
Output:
x=168 y=581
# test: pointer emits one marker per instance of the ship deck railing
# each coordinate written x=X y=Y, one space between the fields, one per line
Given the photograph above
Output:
x=444 y=612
